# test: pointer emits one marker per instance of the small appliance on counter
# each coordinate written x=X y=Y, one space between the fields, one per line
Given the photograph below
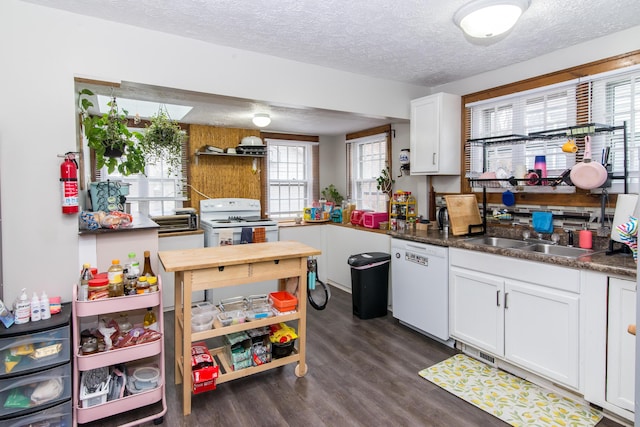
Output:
x=185 y=219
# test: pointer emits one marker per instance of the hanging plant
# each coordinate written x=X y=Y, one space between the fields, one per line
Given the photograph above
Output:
x=385 y=182
x=162 y=140
x=109 y=137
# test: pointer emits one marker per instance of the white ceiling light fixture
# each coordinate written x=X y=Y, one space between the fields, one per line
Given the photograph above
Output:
x=487 y=21
x=261 y=119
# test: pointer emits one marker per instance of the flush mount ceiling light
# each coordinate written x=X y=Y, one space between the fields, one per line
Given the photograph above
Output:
x=261 y=120
x=483 y=20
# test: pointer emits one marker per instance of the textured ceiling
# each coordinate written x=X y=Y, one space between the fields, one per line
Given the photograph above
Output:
x=412 y=41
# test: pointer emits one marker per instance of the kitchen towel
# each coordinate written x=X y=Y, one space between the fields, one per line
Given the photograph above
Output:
x=542 y=222
x=259 y=235
x=246 y=235
x=225 y=237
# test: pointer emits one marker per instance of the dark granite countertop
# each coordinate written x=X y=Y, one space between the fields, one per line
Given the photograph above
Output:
x=616 y=264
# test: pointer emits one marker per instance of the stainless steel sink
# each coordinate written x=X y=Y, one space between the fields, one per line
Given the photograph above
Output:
x=555 y=250
x=498 y=242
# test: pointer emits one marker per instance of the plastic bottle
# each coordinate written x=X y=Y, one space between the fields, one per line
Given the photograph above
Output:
x=116 y=279
x=133 y=265
x=45 y=308
x=22 y=310
x=35 y=308
x=147 y=271
x=85 y=276
x=150 y=320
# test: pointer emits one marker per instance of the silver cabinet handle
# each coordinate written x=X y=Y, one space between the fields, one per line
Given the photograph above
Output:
x=498 y=298
x=433 y=160
x=506 y=294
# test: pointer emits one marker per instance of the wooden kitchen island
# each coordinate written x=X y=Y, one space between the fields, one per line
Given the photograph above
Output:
x=217 y=267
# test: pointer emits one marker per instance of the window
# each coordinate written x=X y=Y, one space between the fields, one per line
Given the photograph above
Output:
x=616 y=100
x=290 y=177
x=155 y=194
x=369 y=158
x=521 y=114
x=152 y=195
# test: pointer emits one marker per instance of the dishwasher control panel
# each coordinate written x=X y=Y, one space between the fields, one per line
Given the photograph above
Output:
x=418 y=259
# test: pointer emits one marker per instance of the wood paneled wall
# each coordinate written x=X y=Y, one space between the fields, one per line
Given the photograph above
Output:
x=221 y=176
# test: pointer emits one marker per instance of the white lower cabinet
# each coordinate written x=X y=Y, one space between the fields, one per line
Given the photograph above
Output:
x=528 y=315
x=621 y=344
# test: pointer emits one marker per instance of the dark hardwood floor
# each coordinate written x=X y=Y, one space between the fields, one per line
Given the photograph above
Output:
x=361 y=373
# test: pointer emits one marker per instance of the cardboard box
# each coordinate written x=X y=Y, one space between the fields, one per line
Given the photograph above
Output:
x=204 y=369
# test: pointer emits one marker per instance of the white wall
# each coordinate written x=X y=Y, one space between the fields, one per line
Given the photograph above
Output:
x=43 y=50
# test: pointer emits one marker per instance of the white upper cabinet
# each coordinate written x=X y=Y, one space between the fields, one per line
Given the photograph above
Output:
x=435 y=135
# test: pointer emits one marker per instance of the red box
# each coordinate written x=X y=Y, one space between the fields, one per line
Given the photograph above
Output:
x=204 y=369
x=283 y=301
x=204 y=379
x=373 y=219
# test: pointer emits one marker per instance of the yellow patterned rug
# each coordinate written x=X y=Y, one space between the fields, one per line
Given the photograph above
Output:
x=512 y=399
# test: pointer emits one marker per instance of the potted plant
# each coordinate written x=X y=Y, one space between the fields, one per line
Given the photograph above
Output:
x=162 y=140
x=331 y=194
x=385 y=182
x=109 y=137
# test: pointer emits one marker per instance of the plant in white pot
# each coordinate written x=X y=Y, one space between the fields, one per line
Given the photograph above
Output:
x=162 y=140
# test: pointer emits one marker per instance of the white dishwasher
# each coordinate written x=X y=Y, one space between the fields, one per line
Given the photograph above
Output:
x=420 y=287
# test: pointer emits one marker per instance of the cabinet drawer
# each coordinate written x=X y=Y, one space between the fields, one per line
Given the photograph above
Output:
x=40 y=389
x=246 y=273
x=25 y=353
x=59 y=415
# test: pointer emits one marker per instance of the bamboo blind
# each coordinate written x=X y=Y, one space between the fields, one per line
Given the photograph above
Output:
x=221 y=176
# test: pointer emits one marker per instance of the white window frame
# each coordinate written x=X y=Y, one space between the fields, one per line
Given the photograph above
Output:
x=369 y=158
x=287 y=208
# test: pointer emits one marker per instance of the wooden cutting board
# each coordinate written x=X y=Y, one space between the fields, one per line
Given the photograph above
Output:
x=463 y=211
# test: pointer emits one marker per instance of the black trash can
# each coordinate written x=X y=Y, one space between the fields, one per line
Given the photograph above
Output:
x=370 y=284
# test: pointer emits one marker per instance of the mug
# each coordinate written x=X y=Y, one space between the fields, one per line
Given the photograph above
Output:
x=570 y=146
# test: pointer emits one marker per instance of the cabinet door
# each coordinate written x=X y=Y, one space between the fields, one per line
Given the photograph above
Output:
x=435 y=135
x=312 y=235
x=342 y=242
x=621 y=344
x=542 y=330
x=476 y=314
x=172 y=243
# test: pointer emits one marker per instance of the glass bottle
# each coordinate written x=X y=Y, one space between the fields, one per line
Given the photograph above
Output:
x=147 y=271
x=116 y=280
x=85 y=276
x=150 y=320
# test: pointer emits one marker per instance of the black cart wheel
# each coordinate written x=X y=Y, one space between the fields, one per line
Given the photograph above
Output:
x=158 y=421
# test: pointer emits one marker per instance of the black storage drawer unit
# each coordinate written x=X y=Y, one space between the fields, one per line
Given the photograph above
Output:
x=35 y=373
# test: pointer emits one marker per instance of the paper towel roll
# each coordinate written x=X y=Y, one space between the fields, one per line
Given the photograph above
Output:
x=625 y=206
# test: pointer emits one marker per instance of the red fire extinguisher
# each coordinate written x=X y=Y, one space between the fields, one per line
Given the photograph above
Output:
x=69 y=183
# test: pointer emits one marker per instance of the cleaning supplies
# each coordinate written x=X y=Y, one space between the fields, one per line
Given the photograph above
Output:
x=542 y=222
x=45 y=309
x=22 y=308
x=35 y=308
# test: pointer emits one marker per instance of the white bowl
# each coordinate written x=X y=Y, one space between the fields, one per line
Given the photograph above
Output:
x=251 y=140
x=146 y=377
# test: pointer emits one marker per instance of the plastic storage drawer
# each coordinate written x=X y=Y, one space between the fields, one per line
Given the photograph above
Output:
x=59 y=415
x=40 y=389
x=36 y=351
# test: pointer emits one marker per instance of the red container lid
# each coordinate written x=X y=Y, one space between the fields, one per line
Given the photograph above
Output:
x=101 y=276
x=98 y=283
x=94 y=271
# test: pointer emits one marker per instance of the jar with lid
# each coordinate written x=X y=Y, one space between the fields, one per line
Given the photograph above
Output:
x=142 y=287
x=98 y=288
x=153 y=283
x=115 y=275
x=124 y=324
x=401 y=223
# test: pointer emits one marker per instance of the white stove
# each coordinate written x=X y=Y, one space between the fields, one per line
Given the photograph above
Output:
x=229 y=221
